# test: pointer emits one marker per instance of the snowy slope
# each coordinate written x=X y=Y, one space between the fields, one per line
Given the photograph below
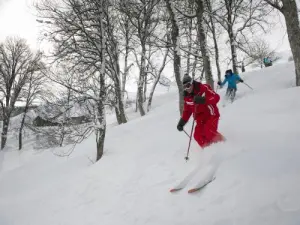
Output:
x=257 y=181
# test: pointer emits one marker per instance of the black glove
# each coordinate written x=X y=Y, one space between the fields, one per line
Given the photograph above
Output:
x=180 y=124
x=199 y=99
x=241 y=80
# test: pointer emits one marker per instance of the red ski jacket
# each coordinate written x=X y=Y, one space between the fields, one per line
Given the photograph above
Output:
x=202 y=112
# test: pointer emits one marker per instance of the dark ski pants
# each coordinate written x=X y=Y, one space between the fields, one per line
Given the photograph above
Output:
x=230 y=93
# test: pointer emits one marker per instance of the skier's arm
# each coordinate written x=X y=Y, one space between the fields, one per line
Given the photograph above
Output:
x=211 y=97
x=187 y=112
x=239 y=78
x=224 y=82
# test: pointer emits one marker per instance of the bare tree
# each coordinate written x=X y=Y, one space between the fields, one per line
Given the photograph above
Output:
x=64 y=100
x=212 y=26
x=188 y=27
x=258 y=50
x=94 y=93
x=83 y=33
x=32 y=91
x=190 y=46
x=16 y=60
x=113 y=64
x=201 y=29
x=290 y=12
x=66 y=114
x=62 y=118
x=143 y=16
x=203 y=42
x=149 y=54
x=157 y=75
x=127 y=31
x=196 y=64
x=79 y=32
x=174 y=39
x=237 y=17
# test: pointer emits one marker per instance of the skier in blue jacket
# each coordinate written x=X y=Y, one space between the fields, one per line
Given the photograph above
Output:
x=232 y=80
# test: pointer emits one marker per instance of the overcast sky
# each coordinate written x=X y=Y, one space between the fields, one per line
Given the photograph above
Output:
x=16 y=18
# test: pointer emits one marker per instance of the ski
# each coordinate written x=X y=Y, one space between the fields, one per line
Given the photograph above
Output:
x=186 y=180
x=205 y=172
x=175 y=189
x=200 y=186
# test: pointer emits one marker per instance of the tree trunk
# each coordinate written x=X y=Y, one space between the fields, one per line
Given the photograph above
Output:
x=6 y=119
x=141 y=82
x=65 y=117
x=124 y=77
x=229 y=7
x=101 y=123
x=194 y=64
x=119 y=116
x=217 y=54
x=20 y=138
x=177 y=59
x=213 y=30
x=188 y=24
x=290 y=13
x=145 y=87
x=22 y=126
x=62 y=132
x=117 y=112
x=101 y=130
x=119 y=108
x=62 y=138
x=101 y=120
x=116 y=74
x=203 y=44
x=233 y=50
x=190 y=29
x=126 y=68
x=243 y=67
x=202 y=75
x=136 y=102
x=152 y=93
x=157 y=80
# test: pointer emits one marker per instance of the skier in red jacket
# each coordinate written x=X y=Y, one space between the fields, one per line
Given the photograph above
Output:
x=201 y=101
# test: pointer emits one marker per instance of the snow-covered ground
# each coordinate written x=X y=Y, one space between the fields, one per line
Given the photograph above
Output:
x=257 y=180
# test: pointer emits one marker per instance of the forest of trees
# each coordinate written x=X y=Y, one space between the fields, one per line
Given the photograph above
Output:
x=97 y=43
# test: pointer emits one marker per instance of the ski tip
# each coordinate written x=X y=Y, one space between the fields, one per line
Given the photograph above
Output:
x=193 y=190
x=199 y=188
x=175 y=189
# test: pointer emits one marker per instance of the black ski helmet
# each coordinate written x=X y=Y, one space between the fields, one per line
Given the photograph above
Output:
x=228 y=71
x=186 y=79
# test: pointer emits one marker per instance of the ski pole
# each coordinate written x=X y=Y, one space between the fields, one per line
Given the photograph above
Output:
x=188 y=150
x=186 y=133
x=248 y=86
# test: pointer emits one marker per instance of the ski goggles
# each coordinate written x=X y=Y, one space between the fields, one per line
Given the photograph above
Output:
x=187 y=85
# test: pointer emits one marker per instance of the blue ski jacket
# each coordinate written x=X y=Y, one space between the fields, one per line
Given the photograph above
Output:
x=232 y=80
